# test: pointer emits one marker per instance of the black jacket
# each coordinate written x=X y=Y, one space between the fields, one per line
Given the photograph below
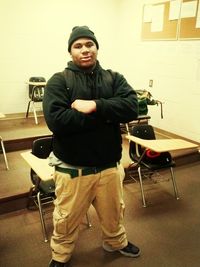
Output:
x=88 y=139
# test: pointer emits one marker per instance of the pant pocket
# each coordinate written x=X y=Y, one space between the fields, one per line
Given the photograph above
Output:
x=60 y=223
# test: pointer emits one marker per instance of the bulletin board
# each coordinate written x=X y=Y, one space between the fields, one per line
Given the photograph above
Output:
x=169 y=30
x=184 y=26
x=189 y=28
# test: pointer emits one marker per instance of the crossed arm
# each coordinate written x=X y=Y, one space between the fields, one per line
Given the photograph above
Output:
x=84 y=106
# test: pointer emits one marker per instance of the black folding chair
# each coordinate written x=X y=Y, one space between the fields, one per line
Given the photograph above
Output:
x=42 y=193
x=145 y=160
x=36 y=93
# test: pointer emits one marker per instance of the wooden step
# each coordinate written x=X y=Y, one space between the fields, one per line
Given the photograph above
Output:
x=18 y=134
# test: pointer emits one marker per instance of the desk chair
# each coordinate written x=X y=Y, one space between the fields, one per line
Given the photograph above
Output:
x=4 y=153
x=126 y=127
x=145 y=160
x=36 y=93
x=43 y=192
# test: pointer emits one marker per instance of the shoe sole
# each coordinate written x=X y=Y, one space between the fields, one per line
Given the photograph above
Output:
x=109 y=249
x=129 y=254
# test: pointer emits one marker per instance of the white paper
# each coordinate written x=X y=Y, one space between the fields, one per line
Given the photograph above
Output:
x=157 y=18
x=147 y=16
x=198 y=71
x=198 y=17
x=188 y=9
x=174 y=9
x=198 y=23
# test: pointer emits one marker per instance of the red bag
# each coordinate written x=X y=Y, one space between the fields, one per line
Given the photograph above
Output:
x=153 y=157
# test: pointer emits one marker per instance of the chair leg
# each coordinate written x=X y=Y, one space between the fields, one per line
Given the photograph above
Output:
x=27 y=111
x=127 y=128
x=4 y=154
x=34 y=112
x=44 y=231
x=31 y=196
x=141 y=187
x=88 y=220
x=174 y=184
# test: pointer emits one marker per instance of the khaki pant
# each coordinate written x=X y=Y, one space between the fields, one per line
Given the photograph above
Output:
x=74 y=196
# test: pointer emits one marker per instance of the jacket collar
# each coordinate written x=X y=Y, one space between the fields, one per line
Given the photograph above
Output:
x=73 y=67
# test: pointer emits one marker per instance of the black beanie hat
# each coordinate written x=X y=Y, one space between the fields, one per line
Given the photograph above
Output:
x=80 y=32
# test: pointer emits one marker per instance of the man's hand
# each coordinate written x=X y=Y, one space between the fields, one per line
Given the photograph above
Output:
x=85 y=106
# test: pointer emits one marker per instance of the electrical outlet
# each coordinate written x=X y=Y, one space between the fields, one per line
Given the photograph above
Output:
x=150 y=83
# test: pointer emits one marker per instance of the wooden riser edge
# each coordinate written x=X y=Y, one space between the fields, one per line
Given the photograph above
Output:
x=18 y=202
x=20 y=144
x=13 y=203
x=21 y=115
x=187 y=158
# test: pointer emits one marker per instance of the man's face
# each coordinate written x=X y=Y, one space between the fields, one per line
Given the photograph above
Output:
x=84 y=53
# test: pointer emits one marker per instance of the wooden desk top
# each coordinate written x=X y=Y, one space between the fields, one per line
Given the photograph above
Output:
x=40 y=166
x=162 y=145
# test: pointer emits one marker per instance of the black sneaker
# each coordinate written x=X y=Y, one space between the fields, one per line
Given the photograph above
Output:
x=54 y=263
x=129 y=251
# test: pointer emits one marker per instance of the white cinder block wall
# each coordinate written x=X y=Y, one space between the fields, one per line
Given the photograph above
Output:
x=34 y=43
x=34 y=35
x=174 y=67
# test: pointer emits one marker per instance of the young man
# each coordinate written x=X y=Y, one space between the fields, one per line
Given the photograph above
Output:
x=83 y=107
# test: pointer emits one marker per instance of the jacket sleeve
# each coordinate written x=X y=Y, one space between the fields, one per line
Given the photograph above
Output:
x=123 y=106
x=59 y=116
